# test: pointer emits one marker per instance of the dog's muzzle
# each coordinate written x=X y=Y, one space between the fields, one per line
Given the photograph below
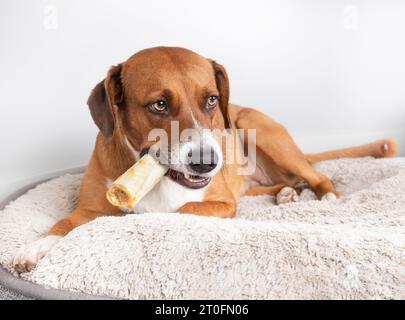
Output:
x=198 y=168
x=191 y=164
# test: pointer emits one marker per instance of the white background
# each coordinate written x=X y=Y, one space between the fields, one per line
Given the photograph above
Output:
x=332 y=71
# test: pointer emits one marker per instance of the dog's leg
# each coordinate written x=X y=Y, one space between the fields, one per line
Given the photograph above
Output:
x=378 y=149
x=73 y=220
x=278 y=149
x=220 y=197
x=283 y=193
x=220 y=209
x=265 y=190
x=28 y=256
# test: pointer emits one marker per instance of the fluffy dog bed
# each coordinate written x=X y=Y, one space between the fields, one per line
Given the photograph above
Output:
x=351 y=248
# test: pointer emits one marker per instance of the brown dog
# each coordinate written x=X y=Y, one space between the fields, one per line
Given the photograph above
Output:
x=160 y=85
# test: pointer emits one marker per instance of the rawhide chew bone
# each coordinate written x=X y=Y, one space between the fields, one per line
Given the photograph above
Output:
x=136 y=182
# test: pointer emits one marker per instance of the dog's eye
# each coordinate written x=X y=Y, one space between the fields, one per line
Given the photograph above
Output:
x=159 y=107
x=212 y=102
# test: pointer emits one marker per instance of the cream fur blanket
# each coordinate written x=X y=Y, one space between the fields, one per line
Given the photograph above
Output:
x=353 y=247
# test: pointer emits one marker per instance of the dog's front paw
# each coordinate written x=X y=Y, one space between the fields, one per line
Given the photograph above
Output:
x=28 y=255
x=286 y=195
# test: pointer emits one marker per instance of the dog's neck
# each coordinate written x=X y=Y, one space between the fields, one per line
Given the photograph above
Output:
x=115 y=156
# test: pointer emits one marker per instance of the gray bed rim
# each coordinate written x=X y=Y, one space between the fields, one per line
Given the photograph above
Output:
x=30 y=289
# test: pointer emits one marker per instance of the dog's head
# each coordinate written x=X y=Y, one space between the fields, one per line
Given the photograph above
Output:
x=167 y=88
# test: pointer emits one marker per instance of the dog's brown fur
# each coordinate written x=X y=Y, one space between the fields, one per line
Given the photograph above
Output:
x=117 y=106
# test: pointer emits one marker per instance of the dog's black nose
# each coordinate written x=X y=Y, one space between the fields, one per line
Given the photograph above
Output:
x=205 y=161
x=202 y=168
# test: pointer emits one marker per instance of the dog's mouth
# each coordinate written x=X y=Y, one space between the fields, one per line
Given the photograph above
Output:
x=187 y=180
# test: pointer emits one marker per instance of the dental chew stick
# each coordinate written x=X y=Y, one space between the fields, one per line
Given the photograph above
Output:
x=136 y=182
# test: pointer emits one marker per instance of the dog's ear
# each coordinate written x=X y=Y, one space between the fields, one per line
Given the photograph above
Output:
x=222 y=81
x=104 y=100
